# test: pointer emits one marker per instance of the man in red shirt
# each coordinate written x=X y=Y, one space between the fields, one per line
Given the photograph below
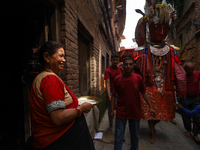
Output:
x=128 y=86
x=191 y=101
x=109 y=75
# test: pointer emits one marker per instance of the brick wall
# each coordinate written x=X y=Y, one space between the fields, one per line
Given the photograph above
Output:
x=185 y=26
x=103 y=52
x=71 y=13
x=187 y=29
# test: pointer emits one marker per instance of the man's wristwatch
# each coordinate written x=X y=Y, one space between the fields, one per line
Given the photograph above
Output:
x=110 y=94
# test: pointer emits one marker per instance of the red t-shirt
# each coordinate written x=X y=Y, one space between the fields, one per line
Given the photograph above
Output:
x=128 y=100
x=193 y=84
x=111 y=73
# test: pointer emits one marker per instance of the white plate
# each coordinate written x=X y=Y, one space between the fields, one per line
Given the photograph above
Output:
x=90 y=99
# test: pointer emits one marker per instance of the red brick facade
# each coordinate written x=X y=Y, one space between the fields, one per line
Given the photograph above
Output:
x=187 y=27
x=89 y=14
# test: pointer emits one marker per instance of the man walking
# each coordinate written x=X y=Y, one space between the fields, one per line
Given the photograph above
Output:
x=191 y=101
x=128 y=86
x=109 y=75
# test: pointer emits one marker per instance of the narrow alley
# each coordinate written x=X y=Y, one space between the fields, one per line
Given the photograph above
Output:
x=168 y=136
x=89 y=32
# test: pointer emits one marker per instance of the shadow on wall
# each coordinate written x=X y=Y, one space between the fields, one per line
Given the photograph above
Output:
x=190 y=53
x=102 y=106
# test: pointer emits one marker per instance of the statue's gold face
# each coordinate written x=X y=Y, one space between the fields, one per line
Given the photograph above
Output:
x=158 y=32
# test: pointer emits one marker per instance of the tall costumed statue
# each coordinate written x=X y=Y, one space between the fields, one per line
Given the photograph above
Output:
x=158 y=63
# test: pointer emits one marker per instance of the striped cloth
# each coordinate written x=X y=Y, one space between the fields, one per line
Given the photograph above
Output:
x=180 y=74
x=143 y=64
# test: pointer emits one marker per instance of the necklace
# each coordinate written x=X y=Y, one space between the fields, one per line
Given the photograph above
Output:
x=159 y=51
x=159 y=73
x=48 y=70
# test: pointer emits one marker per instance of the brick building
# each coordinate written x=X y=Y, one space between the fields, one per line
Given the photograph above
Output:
x=89 y=31
x=187 y=26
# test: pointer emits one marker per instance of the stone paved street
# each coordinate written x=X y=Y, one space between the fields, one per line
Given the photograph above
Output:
x=168 y=136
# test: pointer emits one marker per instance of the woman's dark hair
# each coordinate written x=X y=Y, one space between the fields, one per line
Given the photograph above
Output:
x=127 y=58
x=50 y=47
x=114 y=55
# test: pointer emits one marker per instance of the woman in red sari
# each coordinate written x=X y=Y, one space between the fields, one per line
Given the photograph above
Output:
x=57 y=120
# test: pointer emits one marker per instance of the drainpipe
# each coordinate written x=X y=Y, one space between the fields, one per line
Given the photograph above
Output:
x=101 y=6
x=107 y=11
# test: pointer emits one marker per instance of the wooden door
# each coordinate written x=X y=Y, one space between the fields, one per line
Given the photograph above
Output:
x=84 y=65
x=35 y=36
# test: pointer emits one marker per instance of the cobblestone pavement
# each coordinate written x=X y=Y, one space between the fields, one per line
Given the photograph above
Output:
x=168 y=136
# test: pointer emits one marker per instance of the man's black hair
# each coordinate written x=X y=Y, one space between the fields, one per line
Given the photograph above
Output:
x=114 y=55
x=127 y=58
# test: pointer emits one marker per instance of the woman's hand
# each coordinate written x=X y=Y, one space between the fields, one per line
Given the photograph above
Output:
x=86 y=107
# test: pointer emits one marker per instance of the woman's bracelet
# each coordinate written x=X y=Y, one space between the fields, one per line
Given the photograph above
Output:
x=79 y=111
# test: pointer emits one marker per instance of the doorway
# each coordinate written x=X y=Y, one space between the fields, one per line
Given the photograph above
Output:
x=84 y=65
x=26 y=25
